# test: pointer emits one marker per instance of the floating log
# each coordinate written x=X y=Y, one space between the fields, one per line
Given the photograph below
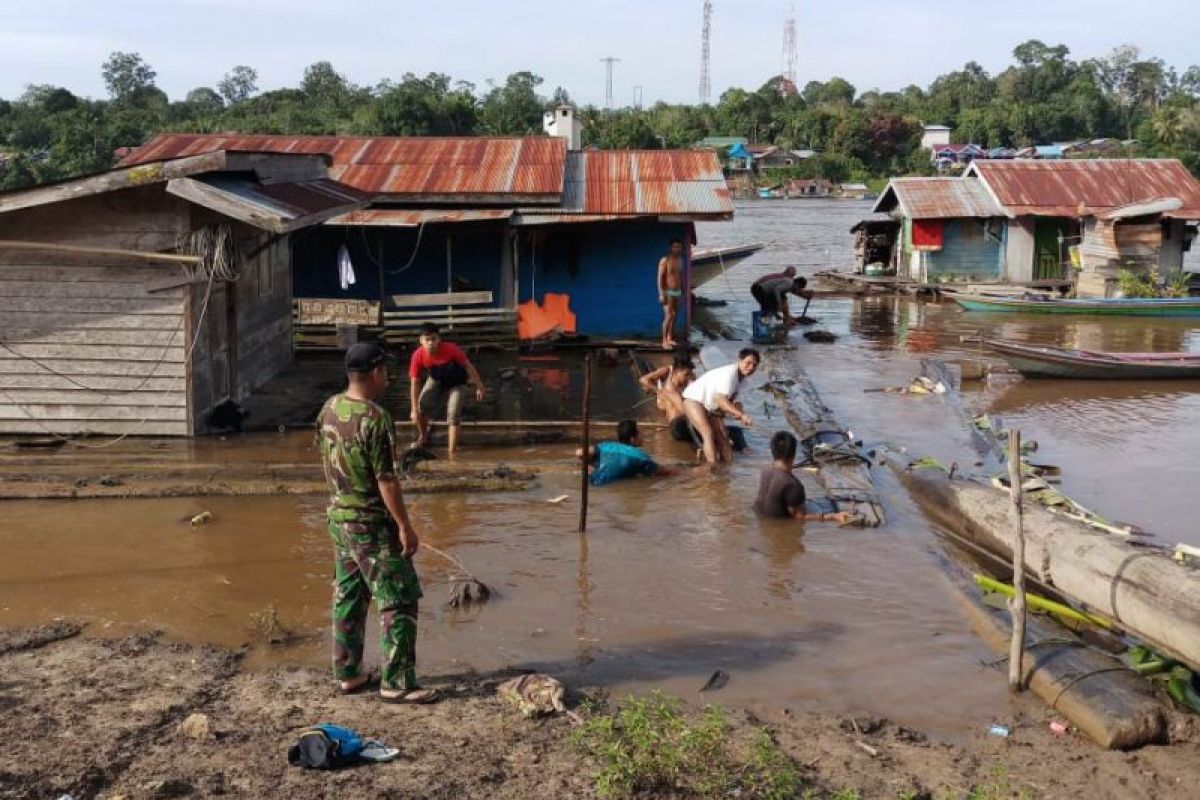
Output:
x=1142 y=589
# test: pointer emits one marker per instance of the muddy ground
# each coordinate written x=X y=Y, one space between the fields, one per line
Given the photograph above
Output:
x=93 y=717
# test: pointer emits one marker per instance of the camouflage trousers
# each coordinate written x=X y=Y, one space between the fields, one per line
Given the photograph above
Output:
x=366 y=567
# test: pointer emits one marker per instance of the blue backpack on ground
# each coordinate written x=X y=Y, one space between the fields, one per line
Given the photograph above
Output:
x=325 y=746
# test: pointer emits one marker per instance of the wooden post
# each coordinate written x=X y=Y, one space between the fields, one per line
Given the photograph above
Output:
x=587 y=402
x=1016 y=603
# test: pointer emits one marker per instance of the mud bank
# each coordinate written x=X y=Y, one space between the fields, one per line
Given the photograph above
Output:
x=100 y=718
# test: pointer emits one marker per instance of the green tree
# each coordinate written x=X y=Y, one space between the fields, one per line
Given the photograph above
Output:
x=126 y=73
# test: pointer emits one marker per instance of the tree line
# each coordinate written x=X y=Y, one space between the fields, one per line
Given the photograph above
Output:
x=49 y=133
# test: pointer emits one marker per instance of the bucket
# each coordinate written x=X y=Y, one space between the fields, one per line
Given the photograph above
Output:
x=346 y=335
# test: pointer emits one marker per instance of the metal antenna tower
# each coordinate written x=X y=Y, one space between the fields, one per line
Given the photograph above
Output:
x=608 y=66
x=705 y=35
x=789 y=44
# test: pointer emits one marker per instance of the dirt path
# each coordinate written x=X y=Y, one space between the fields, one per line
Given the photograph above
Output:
x=101 y=718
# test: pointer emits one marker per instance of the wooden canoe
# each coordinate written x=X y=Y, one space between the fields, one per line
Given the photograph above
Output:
x=1035 y=304
x=1044 y=361
x=709 y=263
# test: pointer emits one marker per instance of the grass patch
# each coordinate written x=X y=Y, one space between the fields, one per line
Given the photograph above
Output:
x=652 y=744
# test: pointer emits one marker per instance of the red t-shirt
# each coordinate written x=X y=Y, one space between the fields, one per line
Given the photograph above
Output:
x=446 y=353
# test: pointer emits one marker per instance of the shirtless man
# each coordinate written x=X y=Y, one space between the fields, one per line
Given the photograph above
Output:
x=668 y=383
x=670 y=290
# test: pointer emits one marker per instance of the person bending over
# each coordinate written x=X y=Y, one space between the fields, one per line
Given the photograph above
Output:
x=712 y=397
x=780 y=493
x=446 y=370
x=624 y=458
x=668 y=383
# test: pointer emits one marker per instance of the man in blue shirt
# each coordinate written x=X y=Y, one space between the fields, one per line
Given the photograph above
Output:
x=624 y=458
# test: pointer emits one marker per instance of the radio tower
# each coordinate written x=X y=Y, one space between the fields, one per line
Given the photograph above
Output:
x=789 y=46
x=705 y=32
x=608 y=67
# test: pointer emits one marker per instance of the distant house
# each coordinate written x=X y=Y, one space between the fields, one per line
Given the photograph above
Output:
x=1120 y=214
x=951 y=230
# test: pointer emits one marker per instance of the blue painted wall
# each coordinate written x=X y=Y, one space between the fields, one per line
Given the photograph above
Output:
x=475 y=256
x=969 y=252
x=609 y=269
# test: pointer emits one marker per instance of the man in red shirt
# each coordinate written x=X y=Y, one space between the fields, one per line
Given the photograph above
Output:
x=446 y=371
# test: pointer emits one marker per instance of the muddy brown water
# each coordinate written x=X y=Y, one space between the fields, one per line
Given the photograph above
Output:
x=675 y=579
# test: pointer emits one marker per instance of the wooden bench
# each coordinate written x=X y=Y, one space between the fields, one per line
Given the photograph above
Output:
x=465 y=317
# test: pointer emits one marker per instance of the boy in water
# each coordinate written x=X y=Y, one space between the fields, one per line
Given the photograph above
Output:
x=624 y=458
x=780 y=493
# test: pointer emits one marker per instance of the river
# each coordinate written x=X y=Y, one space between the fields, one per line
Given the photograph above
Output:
x=675 y=579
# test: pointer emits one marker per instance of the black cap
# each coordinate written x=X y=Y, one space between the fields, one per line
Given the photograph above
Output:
x=364 y=357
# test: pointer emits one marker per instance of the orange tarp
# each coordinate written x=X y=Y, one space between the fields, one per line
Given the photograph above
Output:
x=552 y=316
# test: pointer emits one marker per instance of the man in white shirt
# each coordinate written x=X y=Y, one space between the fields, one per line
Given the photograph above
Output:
x=714 y=395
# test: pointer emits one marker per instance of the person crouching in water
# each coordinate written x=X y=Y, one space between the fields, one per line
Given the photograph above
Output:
x=446 y=370
x=780 y=493
x=668 y=383
x=624 y=458
x=712 y=397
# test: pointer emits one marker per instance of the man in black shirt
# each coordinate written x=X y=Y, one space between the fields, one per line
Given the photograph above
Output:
x=780 y=493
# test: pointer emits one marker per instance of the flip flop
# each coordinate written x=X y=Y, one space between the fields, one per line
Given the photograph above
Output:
x=357 y=687
x=417 y=697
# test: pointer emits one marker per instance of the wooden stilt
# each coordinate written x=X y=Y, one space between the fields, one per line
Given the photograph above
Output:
x=1016 y=603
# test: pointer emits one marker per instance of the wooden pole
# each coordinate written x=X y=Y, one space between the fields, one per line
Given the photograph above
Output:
x=1016 y=603
x=587 y=402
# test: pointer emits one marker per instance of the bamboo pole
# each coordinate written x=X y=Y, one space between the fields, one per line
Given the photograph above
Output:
x=1016 y=603
x=99 y=251
x=587 y=402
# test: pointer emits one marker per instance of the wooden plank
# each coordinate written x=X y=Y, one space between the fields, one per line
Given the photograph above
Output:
x=109 y=305
x=443 y=299
x=98 y=353
x=82 y=273
x=99 y=383
x=60 y=288
x=86 y=369
x=99 y=427
x=14 y=336
x=82 y=397
x=44 y=412
x=39 y=320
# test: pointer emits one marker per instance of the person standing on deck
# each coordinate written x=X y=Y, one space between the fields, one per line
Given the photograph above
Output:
x=373 y=539
x=670 y=291
x=713 y=396
x=446 y=370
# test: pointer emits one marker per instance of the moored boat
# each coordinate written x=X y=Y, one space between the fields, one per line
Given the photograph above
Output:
x=710 y=262
x=1040 y=304
x=1045 y=361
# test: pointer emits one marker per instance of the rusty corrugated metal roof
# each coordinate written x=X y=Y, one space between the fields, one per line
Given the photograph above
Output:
x=686 y=183
x=938 y=198
x=436 y=169
x=1074 y=188
x=409 y=218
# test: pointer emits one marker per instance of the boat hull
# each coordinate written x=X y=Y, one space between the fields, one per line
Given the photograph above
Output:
x=1123 y=308
x=1036 y=361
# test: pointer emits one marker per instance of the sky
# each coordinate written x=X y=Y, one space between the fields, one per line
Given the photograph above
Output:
x=872 y=43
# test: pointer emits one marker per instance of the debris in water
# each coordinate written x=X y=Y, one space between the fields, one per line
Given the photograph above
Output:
x=203 y=518
x=717 y=680
x=820 y=336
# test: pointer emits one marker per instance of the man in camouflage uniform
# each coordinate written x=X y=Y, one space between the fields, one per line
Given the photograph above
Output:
x=373 y=539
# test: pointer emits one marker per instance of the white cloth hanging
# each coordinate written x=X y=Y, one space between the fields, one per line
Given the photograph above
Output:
x=345 y=268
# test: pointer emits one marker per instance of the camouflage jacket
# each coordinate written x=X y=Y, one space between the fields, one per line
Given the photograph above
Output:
x=358 y=446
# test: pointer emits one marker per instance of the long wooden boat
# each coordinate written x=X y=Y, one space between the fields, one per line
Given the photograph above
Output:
x=1037 y=304
x=710 y=262
x=1044 y=361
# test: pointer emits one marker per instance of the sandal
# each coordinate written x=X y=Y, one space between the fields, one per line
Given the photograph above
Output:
x=356 y=685
x=416 y=696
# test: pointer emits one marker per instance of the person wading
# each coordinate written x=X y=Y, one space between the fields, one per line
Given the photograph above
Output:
x=670 y=290
x=446 y=370
x=373 y=539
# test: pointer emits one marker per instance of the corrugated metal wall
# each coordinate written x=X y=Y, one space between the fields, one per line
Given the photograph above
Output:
x=969 y=253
